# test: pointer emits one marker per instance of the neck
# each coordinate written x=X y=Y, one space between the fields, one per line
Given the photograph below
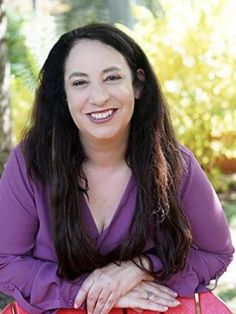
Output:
x=107 y=153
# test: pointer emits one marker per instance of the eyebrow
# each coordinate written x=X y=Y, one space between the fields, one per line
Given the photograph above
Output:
x=110 y=69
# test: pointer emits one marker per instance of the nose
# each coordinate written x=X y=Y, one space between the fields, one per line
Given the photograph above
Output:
x=99 y=95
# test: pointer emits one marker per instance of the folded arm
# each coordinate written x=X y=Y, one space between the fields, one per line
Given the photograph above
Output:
x=26 y=274
x=212 y=249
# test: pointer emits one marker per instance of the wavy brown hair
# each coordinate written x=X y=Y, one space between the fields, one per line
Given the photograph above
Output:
x=55 y=156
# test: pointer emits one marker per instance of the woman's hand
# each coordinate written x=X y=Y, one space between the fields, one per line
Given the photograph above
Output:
x=104 y=286
x=149 y=296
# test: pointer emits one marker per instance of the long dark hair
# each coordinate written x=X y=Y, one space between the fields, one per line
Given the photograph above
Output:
x=54 y=155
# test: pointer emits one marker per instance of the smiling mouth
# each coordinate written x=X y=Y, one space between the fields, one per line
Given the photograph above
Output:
x=101 y=116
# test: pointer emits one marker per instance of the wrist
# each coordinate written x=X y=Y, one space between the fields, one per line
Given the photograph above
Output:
x=144 y=262
x=144 y=266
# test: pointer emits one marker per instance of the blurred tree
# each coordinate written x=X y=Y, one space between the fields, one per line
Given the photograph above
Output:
x=34 y=4
x=5 y=117
x=193 y=54
x=24 y=71
x=120 y=12
x=86 y=11
x=81 y=12
x=153 y=5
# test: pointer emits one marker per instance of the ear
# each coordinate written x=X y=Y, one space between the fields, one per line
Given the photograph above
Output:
x=139 y=83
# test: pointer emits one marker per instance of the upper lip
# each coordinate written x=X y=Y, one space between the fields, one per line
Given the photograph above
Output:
x=101 y=111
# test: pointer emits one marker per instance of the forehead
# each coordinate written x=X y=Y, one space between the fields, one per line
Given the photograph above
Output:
x=86 y=54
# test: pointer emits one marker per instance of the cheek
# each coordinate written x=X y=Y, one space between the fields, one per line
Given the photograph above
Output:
x=75 y=103
x=126 y=95
x=76 y=117
x=129 y=100
x=74 y=108
x=73 y=96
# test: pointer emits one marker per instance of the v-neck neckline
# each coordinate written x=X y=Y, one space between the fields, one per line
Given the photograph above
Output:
x=116 y=212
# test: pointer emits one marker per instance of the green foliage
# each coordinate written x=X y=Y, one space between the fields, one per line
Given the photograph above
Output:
x=78 y=13
x=24 y=71
x=194 y=58
x=82 y=12
x=23 y=62
x=192 y=49
x=21 y=100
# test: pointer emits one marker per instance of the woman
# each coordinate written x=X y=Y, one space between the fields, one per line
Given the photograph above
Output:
x=100 y=205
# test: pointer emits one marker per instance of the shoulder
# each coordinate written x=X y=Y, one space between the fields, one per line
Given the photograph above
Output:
x=187 y=154
x=191 y=169
x=16 y=159
x=17 y=188
x=17 y=152
x=188 y=161
x=15 y=171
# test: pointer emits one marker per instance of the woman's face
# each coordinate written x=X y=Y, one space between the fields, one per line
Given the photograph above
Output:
x=99 y=91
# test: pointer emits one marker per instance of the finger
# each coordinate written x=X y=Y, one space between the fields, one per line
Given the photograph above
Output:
x=150 y=305
x=163 y=288
x=91 y=300
x=83 y=292
x=160 y=290
x=134 y=299
x=168 y=291
x=104 y=304
x=96 y=298
x=163 y=301
x=158 y=294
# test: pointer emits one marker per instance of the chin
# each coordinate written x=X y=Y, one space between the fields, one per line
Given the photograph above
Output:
x=106 y=134
x=105 y=137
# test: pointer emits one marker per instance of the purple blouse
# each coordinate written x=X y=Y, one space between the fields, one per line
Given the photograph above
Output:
x=28 y=262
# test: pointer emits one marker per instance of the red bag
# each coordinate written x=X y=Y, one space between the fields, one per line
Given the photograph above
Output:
x=203 y=303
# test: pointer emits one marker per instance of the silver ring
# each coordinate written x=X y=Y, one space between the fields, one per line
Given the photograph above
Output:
x=149 y=295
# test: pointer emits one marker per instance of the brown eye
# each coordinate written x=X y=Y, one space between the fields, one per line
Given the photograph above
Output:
x=113 y=78
x=80 y=83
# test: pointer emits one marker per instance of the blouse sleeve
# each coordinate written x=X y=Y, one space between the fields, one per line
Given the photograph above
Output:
x=212 y=249
x=32 y=282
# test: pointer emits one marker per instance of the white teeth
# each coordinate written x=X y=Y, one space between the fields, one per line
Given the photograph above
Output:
x=101 y=115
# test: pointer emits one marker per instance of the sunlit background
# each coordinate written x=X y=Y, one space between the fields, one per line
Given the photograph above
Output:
x=192 y=46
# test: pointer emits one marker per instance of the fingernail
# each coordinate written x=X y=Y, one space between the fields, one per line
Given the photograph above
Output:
x=164 y=308
x=177 y=302
x=76 y=306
